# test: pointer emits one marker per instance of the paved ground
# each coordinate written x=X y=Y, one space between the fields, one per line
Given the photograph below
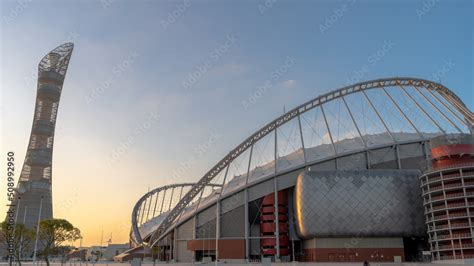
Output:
x=471 y=262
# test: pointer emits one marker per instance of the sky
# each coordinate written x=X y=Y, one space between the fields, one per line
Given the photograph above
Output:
x=157 y=92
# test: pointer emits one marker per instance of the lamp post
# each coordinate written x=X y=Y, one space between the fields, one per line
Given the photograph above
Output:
x=21 y=239
x=17 y=210
x=37 y=231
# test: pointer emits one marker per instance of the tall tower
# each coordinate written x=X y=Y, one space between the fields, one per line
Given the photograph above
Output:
x=34 y=186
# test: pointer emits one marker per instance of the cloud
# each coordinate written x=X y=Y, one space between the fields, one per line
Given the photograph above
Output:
x=290 y=83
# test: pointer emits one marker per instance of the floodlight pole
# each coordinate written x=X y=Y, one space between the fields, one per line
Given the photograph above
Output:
x=16 y=215
x=21 y=239
x=37 y=231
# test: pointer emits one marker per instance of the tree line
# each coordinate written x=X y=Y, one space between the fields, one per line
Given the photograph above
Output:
x=53 y=235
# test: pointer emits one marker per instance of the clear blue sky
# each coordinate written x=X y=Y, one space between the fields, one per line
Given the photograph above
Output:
x=135 y=57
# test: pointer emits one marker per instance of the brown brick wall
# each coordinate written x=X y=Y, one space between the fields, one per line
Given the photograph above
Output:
x=228 y=248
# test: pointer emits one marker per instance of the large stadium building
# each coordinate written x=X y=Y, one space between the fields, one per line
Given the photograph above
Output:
x=351 y=175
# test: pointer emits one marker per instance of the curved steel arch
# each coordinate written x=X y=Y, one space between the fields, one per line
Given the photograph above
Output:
x=142 y=200
x=362 y=86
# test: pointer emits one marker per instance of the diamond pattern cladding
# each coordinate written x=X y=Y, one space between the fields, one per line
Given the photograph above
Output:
x=359 y=203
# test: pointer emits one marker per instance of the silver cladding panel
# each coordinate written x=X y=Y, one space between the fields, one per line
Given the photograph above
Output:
x=233 y=223
x=186 y=230
x=184 y=255
x=359 y=203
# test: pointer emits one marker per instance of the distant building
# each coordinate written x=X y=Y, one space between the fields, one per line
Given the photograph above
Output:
x=95 y=253
x=113 y=250
x=106 y=253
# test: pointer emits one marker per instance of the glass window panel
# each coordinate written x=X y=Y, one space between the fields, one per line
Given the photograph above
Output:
x=219 y=179
x=343 y=131
x=39 y=109
x=263 y=158
x=397 y=124
x=317 y=142
x=432 y=112
x=54 y=112
x=49 y=144
x=421 y=121
x=237 y=173
x=191 y=207
x=289 y=146
x=208 y=195
x=25 y=173
x=32 y=142
x=371 y=127
x=47 y=173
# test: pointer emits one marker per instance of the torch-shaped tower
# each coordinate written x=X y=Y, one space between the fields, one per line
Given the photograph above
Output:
x=33 y=194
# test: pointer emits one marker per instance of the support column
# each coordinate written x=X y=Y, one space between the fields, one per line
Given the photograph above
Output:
x=246 y=232
x=277 y=220
x=218 y=227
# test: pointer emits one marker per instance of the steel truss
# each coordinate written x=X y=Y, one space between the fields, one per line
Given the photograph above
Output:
x=140 y=207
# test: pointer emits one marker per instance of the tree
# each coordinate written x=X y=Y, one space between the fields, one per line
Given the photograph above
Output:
x=53 y=233
x=63 y=251
x=22 y=240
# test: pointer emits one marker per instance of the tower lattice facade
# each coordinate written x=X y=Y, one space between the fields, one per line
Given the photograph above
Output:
x=33 y=195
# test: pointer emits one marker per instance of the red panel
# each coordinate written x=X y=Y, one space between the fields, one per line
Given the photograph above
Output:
x=272 y=241
x=268 y=251
x=267 y=217
x=282 y=209
x=449 y=150
x=268 y=224
x=284 y=251
x=271 y=210
x=267 y=228
x=452 y=161
x=283 y=228
x=271 y=217
x=266 y=210
x=270 y=198
x=271 y=227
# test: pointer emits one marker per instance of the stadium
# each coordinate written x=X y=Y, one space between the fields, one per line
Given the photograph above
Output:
x=347 y=176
